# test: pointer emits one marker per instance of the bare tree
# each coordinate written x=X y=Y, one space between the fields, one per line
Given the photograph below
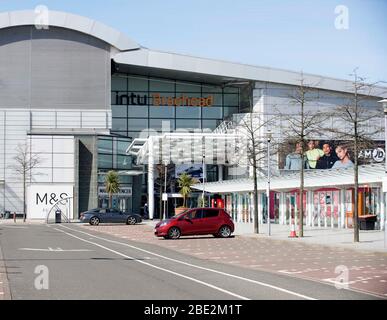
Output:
x=163 y=182
x=356 y=128
x=303 y=123
x=25 y=161
x=253 y=126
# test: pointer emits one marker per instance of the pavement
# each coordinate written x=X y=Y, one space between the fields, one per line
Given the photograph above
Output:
x=75 y=261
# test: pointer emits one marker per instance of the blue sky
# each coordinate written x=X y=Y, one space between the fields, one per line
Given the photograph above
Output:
x=294 y=35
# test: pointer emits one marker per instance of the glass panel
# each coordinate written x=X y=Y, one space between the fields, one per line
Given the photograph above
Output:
x=229 y=111
x=210 y=124
x=133 y=134
x=188 y=112
x=161 y=85
x=105 y=145
x=119 y=83
x=120 y=133
x=231 y=90
x=211 y=89
x=124 y=162
x=157 y=124
x=113 y=97
x=187 y=87
x=231 y=100
x=212 y=112
x=125 y=179
x=119 y=124
x=122 y=146
x=105 y=161
x=162 y=112
x=156 y=98
x=217 y=99
x=138 y=84
x=188 y=123
x=137 y=124
x=119 y=111
x=122 y=98
x=137 y=111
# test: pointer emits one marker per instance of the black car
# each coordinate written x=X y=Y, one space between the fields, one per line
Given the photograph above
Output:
x=109 y=215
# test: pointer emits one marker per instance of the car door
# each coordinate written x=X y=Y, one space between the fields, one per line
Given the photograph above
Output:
x=103 y=215
x=190 y=223
x=116 y=215
x=210 y=221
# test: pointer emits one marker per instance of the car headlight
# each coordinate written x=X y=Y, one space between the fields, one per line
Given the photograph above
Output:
x=164 y=223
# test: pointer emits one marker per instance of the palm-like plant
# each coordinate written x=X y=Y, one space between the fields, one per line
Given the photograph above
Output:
x=112 y=184
x=185 y=182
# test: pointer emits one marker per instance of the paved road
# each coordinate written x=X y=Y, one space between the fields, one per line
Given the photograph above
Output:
x=366 y=270
x=84 y=264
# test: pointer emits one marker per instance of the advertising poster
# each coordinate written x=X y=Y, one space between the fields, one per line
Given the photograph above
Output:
x=327 y=154
x=194 y=170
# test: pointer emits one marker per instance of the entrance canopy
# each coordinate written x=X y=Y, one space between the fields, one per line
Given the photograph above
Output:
x=188 y=148
x=369 y=175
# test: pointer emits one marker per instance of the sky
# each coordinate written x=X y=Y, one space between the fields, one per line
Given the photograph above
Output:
x=296 y=35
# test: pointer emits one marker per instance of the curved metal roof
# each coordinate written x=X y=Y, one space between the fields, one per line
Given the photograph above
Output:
x=69 y=21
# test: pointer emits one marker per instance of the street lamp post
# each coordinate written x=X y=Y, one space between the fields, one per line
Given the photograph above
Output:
x=384 y=103
x=269 y=135
x=203 y=168
x=165 y=189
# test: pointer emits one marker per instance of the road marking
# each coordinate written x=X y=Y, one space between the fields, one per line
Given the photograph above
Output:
x=14 y=227
x=156 y=267
x=49 y=249
x=200 y=267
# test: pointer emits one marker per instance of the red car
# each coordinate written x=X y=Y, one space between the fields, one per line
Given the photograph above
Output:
x=196 y=221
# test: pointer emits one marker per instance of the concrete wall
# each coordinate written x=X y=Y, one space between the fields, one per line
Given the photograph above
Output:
x=50 y=80
x=54 y=68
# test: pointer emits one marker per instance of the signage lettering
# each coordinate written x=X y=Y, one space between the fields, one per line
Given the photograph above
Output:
x=158 y=100
x=52 y=200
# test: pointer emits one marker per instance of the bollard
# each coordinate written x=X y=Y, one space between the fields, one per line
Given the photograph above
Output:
x=14 y=216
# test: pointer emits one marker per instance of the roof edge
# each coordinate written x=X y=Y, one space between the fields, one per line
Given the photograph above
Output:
x=42 y=19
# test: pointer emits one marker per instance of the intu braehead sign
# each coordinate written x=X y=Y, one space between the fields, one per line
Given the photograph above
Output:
x=170 y=101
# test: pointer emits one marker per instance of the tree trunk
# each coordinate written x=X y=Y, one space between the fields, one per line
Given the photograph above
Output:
x=356 y=195
x=110 y=200
x=301 y=218
x=256 y=222
x=24 y=197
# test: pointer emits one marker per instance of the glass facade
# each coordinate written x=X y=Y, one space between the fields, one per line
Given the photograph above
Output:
x=112 y=156
x=143 y=104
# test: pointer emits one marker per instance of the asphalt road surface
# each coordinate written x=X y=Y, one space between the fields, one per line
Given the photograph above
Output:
x=68 y=262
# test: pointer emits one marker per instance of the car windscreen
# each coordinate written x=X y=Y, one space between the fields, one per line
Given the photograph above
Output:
x=180 y=214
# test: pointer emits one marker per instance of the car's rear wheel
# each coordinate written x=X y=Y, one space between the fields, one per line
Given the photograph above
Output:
x=94 y=221
x=131 y=220
x=174 y=233
x=224 y=232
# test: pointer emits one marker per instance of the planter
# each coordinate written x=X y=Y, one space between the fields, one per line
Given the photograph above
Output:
x=180 y=210
x=367 y=222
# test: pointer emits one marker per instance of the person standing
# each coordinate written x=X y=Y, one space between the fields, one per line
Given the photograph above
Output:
x=293 y=160
x=344 y=160
x=313 y=154
x=146 y=211
x=328 y=159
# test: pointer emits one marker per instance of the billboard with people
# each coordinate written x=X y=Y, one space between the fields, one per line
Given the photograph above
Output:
x=327 y=154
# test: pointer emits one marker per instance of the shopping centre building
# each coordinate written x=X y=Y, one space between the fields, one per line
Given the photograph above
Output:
x=83 y=99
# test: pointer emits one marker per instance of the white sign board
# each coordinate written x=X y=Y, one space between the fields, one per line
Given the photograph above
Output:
x=42 y=197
